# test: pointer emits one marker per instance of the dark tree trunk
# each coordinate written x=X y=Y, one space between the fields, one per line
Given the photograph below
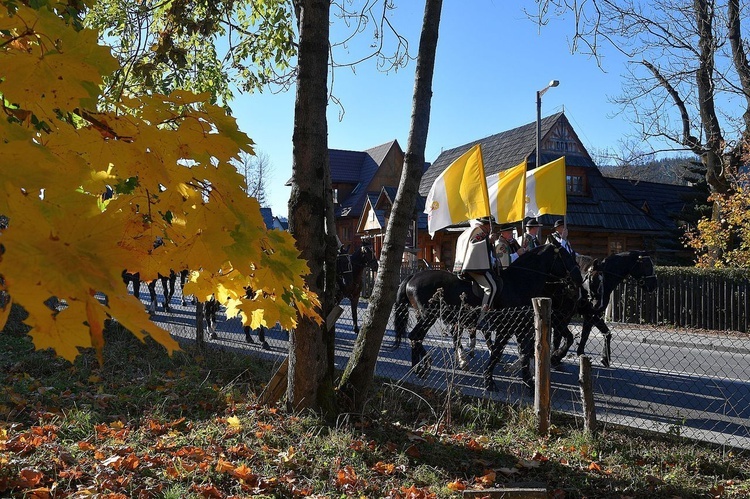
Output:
x=360 y=370
x=311 y=345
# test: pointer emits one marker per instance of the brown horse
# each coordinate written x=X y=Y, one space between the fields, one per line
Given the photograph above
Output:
x=350 y=269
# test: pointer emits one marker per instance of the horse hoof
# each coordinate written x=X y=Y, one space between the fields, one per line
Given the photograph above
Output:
x=265 y=345
x=423 y=368
x=249 y=339
x=214 y=336
x=604 y=361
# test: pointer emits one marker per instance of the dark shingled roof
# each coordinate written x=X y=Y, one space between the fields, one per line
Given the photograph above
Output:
x=664 y=202
x=605 y=209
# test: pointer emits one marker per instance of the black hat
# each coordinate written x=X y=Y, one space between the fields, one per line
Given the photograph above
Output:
x=533 y=222
x=486 y=220
x=558 y=223
x=505 y=227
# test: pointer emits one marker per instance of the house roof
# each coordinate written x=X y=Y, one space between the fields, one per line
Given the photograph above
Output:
x=267 y=215
x=664 y=202
x=601 y=208
x=605 y=209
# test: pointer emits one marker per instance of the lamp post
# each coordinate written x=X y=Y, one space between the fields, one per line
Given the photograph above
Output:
x=539 y=94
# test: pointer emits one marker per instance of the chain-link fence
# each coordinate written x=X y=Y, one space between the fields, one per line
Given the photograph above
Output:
x=688 y=382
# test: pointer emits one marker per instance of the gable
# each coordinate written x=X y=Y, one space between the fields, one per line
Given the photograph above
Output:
x=371 y=176
x=508 y=149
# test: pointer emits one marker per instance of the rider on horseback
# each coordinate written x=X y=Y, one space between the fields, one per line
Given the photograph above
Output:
x=507 y=249
x=475 y=258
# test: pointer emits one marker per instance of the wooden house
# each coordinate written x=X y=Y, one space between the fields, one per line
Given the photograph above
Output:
x=357 y=178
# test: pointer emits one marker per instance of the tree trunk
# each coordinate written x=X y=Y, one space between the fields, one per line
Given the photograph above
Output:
x=360 y=369
x=311 y=345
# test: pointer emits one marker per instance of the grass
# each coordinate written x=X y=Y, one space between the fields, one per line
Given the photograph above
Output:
x=147 y=425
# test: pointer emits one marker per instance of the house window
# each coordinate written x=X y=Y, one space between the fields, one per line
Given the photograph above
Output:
x=616 y=246
x=575 y=184
x=346 y=234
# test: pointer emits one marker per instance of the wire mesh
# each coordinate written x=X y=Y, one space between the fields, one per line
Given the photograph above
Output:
x=687 y=382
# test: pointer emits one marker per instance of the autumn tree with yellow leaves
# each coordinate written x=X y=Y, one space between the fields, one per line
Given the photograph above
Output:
x=167 y=159
x=725 y=242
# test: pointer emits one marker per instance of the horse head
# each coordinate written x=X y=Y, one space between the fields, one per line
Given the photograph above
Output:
x=643 y=271
x=367 y=257
x=593 y=284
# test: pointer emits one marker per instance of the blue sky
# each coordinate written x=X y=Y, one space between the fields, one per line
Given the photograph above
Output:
x=491 y=60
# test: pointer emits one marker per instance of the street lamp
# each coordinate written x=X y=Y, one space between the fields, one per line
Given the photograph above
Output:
x=539 y=94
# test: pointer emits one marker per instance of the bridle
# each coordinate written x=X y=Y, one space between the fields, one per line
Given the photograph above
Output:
x=566 y=280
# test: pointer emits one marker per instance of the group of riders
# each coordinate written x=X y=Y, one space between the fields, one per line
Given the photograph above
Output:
x=485 y=249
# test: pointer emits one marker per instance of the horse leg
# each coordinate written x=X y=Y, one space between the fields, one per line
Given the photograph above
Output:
x=167 y=288
x=248 y=335
x=472 y=342
x=588 y=323
x=496 y=351
x=559 y=353
x=262 y=337
x=355 y=305
x=458 y=346
x=152 y=294
x=557 y=337
x=525 y=353
x=420 y=360
x=210 y=309
x=607 y=344
x=171 y=282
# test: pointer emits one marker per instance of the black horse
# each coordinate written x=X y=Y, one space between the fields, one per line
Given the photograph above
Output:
x=458 y=304
x=615 y=269
x=350 y=269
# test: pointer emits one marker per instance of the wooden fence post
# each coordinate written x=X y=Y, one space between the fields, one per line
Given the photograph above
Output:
x=587 y=394
x=542 y=328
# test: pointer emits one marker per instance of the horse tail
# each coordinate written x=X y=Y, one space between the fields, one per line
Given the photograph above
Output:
x=401 y=313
